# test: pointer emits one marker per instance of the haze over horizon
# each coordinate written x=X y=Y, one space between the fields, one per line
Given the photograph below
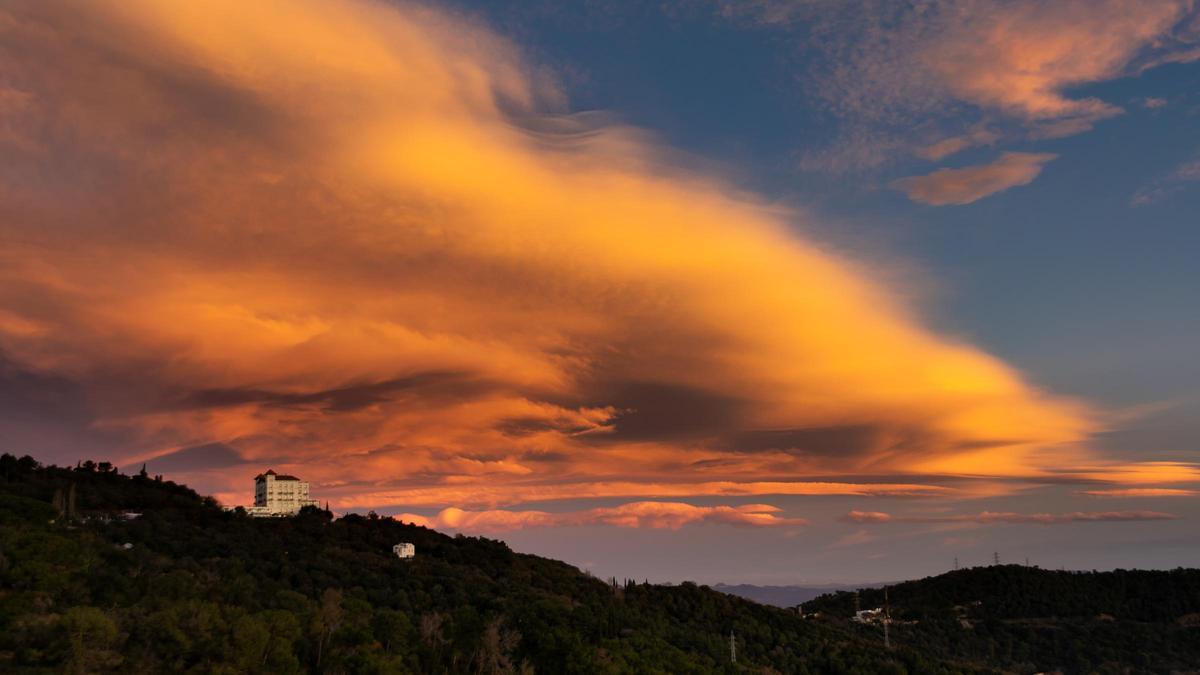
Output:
x=778 y=292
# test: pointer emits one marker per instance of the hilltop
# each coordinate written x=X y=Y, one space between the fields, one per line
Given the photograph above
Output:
x=136 y=574
x=1026 y=619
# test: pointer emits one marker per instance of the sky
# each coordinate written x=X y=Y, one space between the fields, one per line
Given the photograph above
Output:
x=766 y=292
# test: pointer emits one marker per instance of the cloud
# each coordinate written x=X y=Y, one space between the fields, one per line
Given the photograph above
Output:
x=1140 y=473
x=972 y=183
x=856 y=538
x=1141 y=492
x=989 y=517
x=196 y=458
x=1178 y=179
x=654 y=515
x=374 y=240
x=514 y=491
x=1021 y=57
x=913 y=73
x=954 y=144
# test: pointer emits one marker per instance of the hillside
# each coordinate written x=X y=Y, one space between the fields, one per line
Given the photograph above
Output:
x=1026 y=619
x=188 y=587
x=785 y=596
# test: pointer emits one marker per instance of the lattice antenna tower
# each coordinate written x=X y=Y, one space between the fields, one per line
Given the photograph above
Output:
x=887 y=619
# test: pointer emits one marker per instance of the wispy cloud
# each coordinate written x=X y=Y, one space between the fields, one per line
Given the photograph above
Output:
x=1141 y=492
x=972 y=183
x=1179 y=178
x=954 y=144
x=943 y=67
x=515 y=491
x=989 y=517
x=1020 y=57
x=654 y=515
x=856 y=538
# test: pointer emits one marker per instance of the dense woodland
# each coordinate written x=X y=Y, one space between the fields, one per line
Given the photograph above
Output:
x=1026 y=619
x=189 y=587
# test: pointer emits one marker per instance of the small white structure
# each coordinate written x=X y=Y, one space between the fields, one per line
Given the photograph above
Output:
x=278 y=495
x=869 y=615
x=405 y=551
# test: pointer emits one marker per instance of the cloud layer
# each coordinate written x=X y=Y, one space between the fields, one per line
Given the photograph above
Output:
x=370 y=244
x=654 y=515
x=989 y=517
x=1141 y=492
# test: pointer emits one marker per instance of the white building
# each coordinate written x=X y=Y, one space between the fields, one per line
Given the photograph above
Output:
x=405 y=551
x=279 y=495
x=869 y=615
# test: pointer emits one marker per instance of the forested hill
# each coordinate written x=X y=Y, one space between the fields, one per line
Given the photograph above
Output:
x=1026 y=619
x=86 y=586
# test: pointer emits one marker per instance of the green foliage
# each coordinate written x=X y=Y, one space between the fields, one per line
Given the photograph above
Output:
x=190 y=588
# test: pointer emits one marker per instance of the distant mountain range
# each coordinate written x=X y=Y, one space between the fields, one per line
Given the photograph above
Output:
x=787 y=596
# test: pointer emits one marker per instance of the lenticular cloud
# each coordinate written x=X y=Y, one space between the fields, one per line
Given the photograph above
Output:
x=366 y=238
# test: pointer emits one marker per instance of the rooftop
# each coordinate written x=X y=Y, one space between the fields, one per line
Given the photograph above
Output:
x=271 y=472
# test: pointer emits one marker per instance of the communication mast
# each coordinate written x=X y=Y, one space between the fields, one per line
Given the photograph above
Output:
x=955 y=562
x=887 y=619
x=996 y=558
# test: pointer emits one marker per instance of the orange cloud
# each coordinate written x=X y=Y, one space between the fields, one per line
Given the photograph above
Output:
x=972 y=183
x=989 y=517
x=510 y=492
x=925 y=77
x=369 y=242
x=654 y=515
x=1141 y=492
x=954 y=144
x=1140 y=473
x=1020 y=57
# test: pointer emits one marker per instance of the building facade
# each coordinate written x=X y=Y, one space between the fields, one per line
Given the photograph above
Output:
x=279 y=495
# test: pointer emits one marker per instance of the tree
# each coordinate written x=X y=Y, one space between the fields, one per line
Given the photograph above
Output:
x=327 y=619
x=90 y=632
x=495 y=649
